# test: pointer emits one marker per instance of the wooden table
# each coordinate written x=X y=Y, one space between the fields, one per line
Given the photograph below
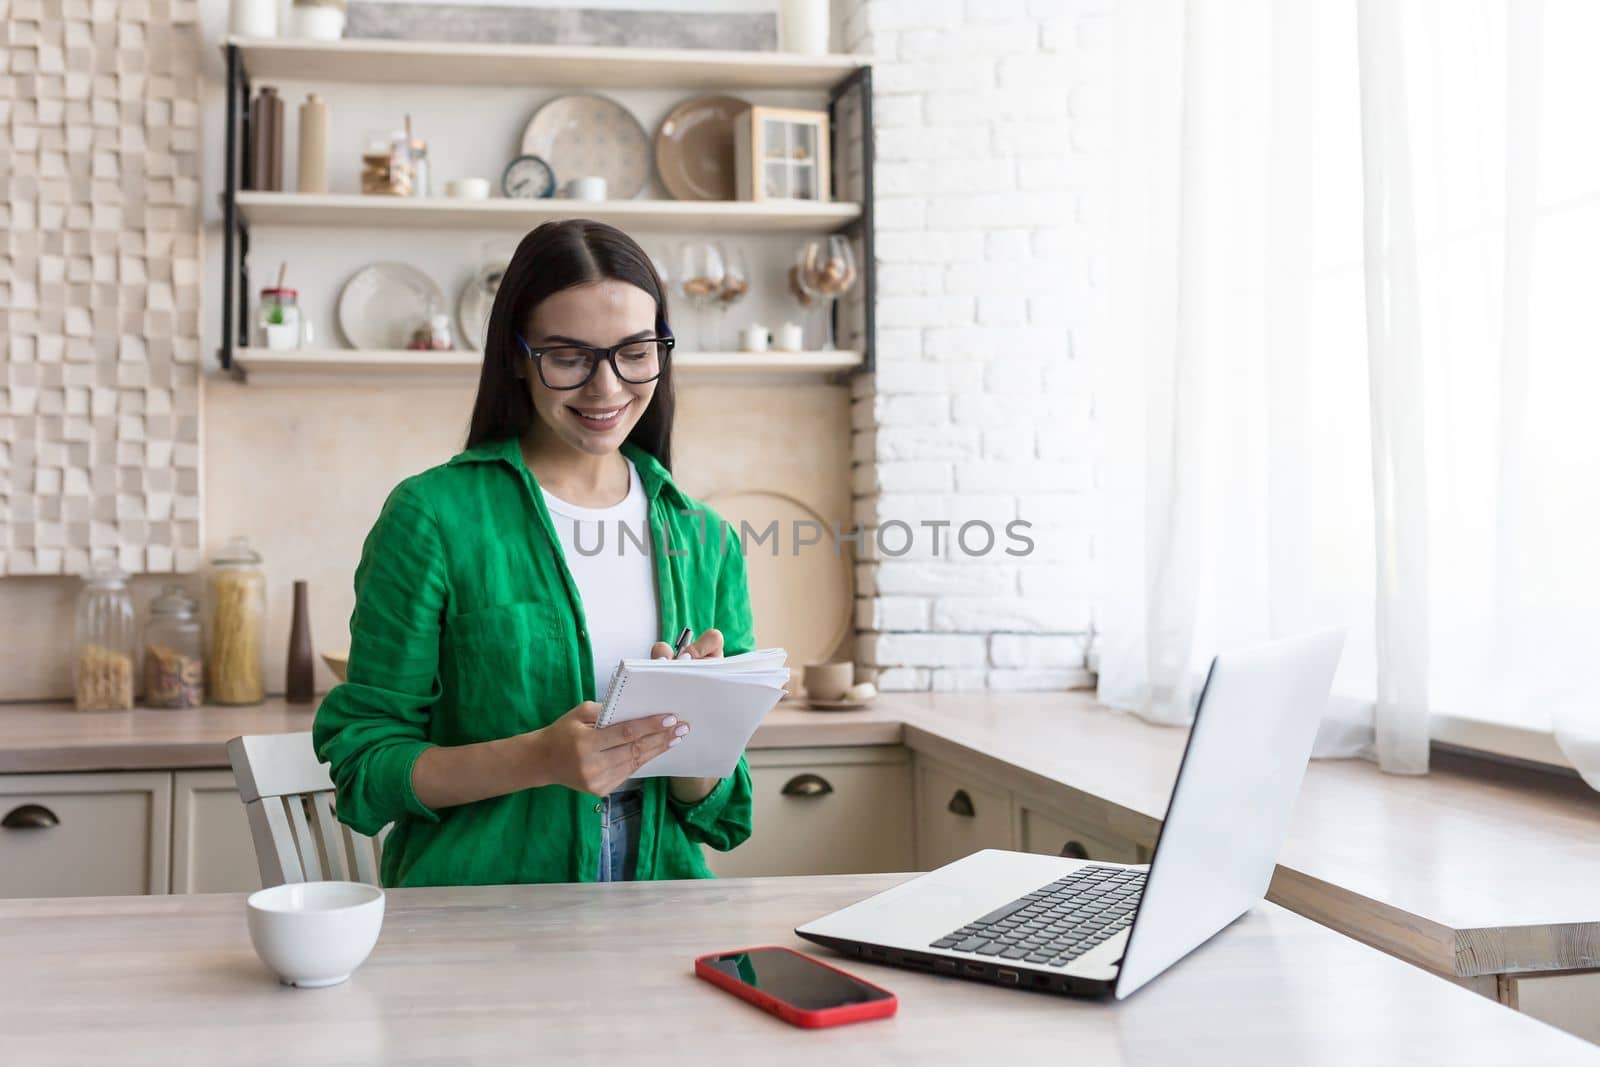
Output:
x=601 y=974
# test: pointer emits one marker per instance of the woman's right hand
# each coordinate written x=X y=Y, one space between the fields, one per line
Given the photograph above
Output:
x=574 y=753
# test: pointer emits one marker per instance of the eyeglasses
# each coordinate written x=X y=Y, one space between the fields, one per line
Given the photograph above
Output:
x=571 y=366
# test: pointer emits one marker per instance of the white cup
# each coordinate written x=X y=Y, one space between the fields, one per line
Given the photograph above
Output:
x=754 y=338
x=316 y=23
x=467 y=188
x=589 y=187
x=788 y=337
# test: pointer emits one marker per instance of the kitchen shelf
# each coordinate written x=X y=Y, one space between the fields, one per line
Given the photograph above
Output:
x=336 y=366
x=332 y=210
x=434 y=63
x=844 y=81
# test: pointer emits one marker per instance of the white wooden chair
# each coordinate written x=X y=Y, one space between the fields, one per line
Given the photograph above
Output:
x=288 y=797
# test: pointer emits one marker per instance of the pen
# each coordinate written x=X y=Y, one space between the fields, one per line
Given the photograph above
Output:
x=682 y=642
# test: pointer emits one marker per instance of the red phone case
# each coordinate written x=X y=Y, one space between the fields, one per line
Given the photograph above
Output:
x=845 y=1013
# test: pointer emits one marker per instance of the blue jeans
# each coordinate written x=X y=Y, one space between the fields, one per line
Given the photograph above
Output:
x=620 y=816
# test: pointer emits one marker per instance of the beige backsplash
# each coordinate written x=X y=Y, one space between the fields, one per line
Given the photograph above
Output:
x=303 y=471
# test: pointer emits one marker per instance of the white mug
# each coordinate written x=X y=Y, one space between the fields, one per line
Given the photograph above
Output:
x=788 y=337
x=589 y=187
x=753 y=338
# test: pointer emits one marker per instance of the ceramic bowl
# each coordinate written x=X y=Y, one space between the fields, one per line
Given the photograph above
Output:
x=467 y=189
x=338 y=661
x=315 y=934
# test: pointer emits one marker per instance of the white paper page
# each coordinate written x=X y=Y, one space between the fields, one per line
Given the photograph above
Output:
x=722 y=710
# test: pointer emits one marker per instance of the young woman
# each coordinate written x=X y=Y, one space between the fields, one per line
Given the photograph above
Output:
x=497 y=591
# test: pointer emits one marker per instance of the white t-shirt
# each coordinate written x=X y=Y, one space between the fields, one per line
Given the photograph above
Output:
x=608 y=551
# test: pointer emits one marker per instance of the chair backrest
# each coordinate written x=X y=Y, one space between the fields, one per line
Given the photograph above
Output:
x=288 y=798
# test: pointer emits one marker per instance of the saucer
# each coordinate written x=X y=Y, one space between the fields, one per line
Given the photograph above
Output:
x=838 y=705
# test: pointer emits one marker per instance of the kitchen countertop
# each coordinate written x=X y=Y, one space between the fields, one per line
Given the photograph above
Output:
x=52 y=737
x=1467 y=871
x=603 y=974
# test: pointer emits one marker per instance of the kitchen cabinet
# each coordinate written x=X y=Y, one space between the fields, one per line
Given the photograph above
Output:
x=75 y=835
x=855 y=809
x=958 y=813
x=1568 y=1001
x=1056 y=834
x=825 y=811
x=1072 y=824
x=211 y=847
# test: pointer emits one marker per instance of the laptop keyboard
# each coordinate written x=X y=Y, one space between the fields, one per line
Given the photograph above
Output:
x=1056 y=924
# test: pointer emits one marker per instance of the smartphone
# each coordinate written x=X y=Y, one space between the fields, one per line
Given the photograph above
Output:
x=796 y=988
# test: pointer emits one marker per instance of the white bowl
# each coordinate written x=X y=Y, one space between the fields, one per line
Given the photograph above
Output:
x=467 y=189
x=315 y=933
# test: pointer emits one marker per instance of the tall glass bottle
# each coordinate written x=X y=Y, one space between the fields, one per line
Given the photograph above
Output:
x=102 y=668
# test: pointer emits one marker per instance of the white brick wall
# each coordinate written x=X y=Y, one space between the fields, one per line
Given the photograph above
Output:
x=990 y=178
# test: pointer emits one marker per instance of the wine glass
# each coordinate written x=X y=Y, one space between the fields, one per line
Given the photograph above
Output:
x=735 y=286
x=700 y=274
x=659 y=260
x=825 y=270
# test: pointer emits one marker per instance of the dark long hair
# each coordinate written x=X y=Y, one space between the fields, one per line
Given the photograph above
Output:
x=557 y=256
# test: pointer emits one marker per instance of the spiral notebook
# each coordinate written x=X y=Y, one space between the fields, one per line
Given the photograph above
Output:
x=723 y=699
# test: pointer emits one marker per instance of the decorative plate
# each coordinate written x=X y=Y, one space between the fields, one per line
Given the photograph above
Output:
x=383 y=303
x=802 y=602
x=694 y=148
x=586 y=134
x=475 y=303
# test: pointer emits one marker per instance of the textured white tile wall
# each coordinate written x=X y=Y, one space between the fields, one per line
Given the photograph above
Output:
x=100 y=286
x=991 y=176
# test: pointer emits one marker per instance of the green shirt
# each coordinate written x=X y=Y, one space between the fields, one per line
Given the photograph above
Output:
x=469 y=627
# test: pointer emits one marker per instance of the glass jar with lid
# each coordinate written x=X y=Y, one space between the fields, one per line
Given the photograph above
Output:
x=102 y=668
x=278 y=319
x=386 y=165
x=238 y=594
x=174 y=651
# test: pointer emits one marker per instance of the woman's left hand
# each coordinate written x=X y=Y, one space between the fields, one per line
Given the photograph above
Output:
x=709 y=643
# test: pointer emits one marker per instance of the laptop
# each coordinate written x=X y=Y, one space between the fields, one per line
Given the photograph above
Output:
x=1085 y=928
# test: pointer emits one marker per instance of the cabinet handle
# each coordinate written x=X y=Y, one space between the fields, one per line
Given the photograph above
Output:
x=961 y=804
x=1074 y=850
x=30 y=817
x=807 y=785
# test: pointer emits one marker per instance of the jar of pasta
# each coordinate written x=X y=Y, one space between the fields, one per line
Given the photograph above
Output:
x=238 y=615
x=174 y=655
x=102 y=670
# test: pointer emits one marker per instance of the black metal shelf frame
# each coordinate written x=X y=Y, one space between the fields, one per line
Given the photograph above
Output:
x=859 y=81
x=236 y=230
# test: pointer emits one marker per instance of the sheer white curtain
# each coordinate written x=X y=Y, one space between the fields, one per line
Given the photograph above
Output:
x=1353 y=360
